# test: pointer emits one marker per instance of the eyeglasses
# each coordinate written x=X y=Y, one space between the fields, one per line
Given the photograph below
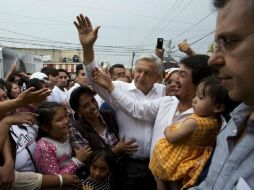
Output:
x=228 y=43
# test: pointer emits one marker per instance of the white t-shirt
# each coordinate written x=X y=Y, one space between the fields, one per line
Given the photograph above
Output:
x=24 y=137
x=59 y=95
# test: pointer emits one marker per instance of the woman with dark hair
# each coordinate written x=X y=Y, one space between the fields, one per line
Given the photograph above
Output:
x=13 y=90
x=96 y=128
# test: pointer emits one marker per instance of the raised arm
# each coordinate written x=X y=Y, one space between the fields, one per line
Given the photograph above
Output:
x=87 y=37
x=27 y=97
x=143 y=110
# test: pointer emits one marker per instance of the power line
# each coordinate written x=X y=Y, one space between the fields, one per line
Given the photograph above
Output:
x=198 y=39
x=176 y=15
x=194 y=25
x=162 y=19
x=67 y=43
x=99 y=9
x=97 y=48
x=33 y=18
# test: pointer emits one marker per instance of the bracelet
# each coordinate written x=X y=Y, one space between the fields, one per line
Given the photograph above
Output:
x=61 y=180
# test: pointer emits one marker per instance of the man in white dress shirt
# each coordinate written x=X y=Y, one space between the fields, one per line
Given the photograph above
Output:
x=147 y=72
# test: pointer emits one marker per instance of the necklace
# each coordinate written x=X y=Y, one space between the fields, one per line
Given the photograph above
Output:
x=177 y=113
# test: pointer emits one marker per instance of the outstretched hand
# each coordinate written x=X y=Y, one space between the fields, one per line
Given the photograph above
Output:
x=30 y=96
x=87 y=35
x=103 y=79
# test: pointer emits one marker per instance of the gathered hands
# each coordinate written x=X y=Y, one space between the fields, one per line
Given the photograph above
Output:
x=128 y=147
x=103 y=79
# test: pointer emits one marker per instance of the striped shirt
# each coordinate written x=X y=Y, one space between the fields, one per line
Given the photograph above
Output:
x=104 y=185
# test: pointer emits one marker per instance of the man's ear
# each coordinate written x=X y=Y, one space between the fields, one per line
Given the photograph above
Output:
x=218 y=108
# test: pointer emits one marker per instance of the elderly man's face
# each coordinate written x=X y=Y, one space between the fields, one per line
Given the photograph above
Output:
x=234 y=54
x=145 y=75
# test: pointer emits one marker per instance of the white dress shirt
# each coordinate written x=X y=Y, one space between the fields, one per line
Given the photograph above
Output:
x=160 y=111
x=130 y=127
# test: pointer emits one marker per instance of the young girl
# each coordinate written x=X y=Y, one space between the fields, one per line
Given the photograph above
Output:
x=188 y=144
x=53 y=153
x=100 y=164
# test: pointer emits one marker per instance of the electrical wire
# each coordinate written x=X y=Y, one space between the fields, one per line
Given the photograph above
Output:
x=162 y=19
x=194 y=42
x=194 y=25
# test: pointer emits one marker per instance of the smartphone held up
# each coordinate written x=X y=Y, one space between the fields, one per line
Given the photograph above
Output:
x=159 y=43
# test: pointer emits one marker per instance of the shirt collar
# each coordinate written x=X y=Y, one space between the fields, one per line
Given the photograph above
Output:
x=240 y=114
x=239 y=117
x=132 y=87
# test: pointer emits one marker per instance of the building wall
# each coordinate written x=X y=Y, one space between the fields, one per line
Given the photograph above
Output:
x=55 y=54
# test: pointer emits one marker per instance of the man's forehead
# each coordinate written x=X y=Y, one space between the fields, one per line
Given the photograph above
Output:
x=234 y=17
x=144 y=64
x=62 y=74
x=184 y=68
x=119 y=69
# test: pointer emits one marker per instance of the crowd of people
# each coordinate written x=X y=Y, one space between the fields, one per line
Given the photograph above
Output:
x=116 y=129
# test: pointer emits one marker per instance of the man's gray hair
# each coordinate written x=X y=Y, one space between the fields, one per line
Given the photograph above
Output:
x=151 y=57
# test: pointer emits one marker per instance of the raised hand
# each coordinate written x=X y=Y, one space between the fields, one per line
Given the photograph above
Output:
x=185 y=48
x=87 y=35
x=14 y=68
x=159 y=53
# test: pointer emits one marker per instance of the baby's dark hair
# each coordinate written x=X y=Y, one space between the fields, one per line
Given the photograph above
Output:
x=46 y=112
x=213 y=87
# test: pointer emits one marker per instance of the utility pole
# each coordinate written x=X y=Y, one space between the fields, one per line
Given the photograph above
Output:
x=132 y=60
